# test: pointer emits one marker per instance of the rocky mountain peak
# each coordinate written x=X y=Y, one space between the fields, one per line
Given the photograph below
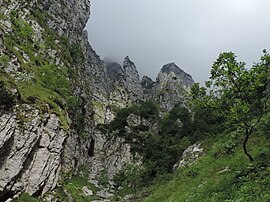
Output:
x=172 y=67
x=172 y=73
x=131 y=70
x=128 y=63
x=170 y=86
x=114 y=70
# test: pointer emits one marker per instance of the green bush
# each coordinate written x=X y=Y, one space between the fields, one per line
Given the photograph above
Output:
x=120 y=120
x=130 y=178
x=21 y=29
x=148 y=109
x=177 y=123
x=159 y=151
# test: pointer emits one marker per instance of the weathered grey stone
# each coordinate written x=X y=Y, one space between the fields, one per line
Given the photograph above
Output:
x=147 y=85
x=105 y=193
x=136 y=121
x=33 y=150
x=114 y=70
x=133 y=84
x=72 y=18
x=110 y=157
x=190 y=155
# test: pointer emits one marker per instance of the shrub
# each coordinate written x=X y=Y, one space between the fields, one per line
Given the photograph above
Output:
x=171 y=125
x=55 y=79
x=120 y=120
x=22 y=30
x=148 y=109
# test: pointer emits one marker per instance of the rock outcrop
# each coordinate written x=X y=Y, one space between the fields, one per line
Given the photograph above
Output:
x=133 y=84
x=171 y=85
x=190 y=156
x=147 y=85
x=66 y=17
x=30 y=149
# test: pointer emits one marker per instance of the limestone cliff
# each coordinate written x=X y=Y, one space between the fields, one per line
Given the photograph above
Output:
x=38 y=67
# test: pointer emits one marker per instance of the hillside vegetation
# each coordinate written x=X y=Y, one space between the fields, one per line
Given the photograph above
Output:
x=229 y=116
x=223 y=173
x=236 y=161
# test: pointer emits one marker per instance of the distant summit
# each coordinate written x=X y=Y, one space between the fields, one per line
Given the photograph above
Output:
x=167 y=91
x=172 y=67
x=171 y=85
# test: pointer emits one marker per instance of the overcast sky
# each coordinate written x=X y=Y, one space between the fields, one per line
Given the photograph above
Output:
x=190 y=33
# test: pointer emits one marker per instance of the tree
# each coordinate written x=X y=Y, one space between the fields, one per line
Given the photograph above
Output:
x=238 y=94
x=207 y=117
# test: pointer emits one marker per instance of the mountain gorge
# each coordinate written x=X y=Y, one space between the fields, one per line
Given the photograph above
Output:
x=55 y=90
x=74 y=127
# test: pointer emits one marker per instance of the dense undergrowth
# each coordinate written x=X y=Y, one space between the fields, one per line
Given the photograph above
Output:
x=236 y=161
x=224 y=173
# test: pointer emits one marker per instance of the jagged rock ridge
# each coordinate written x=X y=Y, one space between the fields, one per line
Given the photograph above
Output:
x=168 y=89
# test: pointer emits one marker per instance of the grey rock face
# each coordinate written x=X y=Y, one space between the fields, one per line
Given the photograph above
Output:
x=171 y=85
x=30 y=152
x=32 y=142
x=132 y=81
x=173 y=69
x=114 y=71
x=112 y=86
x=118 y=93
x=67 y=17
x=94 y=74
x=110 y=156
x=136 y=121
x=147 y=85
x=190 y=156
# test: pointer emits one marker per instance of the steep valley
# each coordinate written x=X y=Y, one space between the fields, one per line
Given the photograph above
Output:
x=77 y=128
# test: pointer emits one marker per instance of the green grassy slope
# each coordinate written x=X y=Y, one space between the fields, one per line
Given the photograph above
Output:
x=224 y=173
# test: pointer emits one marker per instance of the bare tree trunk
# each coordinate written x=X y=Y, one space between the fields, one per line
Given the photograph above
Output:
x=245 y=146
